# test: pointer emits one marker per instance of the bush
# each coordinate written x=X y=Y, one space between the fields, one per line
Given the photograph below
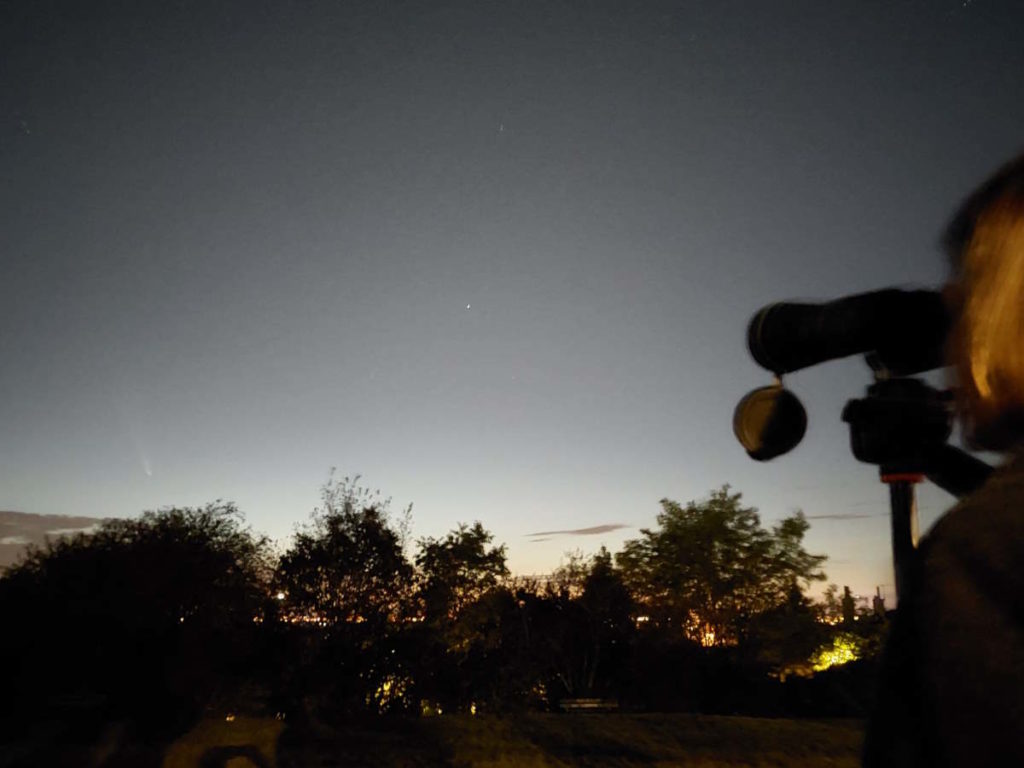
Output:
x=147 y=619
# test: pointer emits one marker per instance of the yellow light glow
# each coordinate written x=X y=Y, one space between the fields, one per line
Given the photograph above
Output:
x=842 y=650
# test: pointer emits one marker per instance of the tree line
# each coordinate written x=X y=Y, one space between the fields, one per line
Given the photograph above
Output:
x=181 y=610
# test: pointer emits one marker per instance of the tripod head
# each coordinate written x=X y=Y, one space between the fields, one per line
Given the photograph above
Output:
x=899 y=425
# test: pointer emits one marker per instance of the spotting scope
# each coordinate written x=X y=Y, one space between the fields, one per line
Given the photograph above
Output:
x=902 y=425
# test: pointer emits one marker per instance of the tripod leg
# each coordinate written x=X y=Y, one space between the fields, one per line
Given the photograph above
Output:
x=904 y=529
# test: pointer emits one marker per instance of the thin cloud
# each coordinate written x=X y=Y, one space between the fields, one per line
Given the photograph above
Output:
x=594 y=531
x=19 y=529
x=844 y=517
x=72 y=531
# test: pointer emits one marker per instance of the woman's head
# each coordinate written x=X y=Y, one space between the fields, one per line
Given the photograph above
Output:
x=986 y=243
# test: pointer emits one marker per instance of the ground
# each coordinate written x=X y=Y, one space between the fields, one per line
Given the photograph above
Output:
x=462 y=741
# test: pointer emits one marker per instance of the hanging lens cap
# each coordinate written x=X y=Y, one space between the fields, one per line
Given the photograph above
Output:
x=769 y=422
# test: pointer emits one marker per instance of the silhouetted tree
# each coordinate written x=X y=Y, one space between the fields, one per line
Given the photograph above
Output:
x=783 y=638
x=831 y=608
x=347 y=581
x=150 y=617
x=461 y=638
x=584 y=623
x=570 y=575
x=347 y=566
x=710 y=566
x=458 y=570
x=610 y=613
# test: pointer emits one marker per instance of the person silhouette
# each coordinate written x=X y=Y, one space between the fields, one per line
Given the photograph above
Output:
x=952 y=683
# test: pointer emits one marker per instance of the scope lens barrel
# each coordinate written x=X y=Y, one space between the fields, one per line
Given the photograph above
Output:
x=906 y=330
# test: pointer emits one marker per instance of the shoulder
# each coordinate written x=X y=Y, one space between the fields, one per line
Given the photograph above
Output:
x=967 y=621
x=983 y=535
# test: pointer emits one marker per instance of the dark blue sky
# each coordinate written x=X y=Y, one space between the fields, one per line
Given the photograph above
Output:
x=498 y=257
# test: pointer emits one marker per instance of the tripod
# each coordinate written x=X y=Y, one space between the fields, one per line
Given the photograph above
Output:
x=902 y=426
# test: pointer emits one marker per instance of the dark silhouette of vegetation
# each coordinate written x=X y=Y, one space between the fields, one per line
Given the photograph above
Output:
x=346 y=588
x=151 y=618
x=458 y=570
x=463 y=607
x=585 y=623
x=184 y=610
x=348 y=565
x=710 y=567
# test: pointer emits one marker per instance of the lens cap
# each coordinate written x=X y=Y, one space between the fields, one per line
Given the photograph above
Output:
x=769 y=422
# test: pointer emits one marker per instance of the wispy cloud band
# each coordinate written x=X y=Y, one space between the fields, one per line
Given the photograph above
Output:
x=592 y=531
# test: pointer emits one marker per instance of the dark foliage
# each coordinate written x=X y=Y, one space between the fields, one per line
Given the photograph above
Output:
x=347 y=599
x=184 y=609
x=710 y=567
x=149 y=618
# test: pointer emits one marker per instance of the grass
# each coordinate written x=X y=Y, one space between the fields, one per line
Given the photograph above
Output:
x=625 y=741
x=561 y=741
x=210 y=739
x=461 y=741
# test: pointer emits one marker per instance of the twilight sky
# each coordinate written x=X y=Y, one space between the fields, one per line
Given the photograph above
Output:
x=498 y=257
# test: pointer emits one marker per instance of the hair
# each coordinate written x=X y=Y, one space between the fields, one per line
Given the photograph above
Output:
x=985 y=241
